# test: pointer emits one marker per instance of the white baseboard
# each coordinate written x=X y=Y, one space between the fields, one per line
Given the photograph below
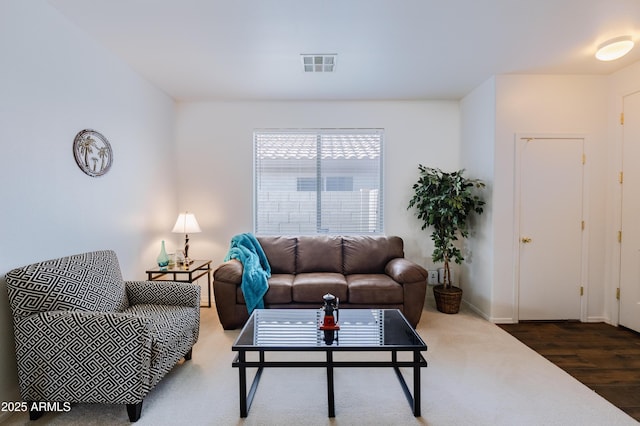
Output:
x=488 y=317
x=509 y=320
x=503 y=321
x=598 y=319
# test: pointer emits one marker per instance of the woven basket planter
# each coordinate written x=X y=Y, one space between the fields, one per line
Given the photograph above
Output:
x=447 y=299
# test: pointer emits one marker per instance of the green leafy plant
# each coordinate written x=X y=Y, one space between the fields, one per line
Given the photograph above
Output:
x=445 y=201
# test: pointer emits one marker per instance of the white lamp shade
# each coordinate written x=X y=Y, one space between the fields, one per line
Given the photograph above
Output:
x=186 y=224
x=614 y=48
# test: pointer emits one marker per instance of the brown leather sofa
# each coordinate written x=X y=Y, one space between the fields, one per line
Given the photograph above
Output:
x=363 y=271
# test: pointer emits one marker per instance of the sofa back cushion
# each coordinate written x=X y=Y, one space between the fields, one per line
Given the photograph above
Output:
x=321 y=253
x=281 y=253
x=369 y=255
x=85 y=282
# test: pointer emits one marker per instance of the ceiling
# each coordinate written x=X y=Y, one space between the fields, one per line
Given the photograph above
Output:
x=387 y=49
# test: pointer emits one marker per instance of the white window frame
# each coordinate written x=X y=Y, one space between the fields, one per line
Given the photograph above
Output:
x=371 y=140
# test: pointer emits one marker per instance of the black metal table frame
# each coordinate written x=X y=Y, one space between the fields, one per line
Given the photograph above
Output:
x=200 y=268
x=242 y=364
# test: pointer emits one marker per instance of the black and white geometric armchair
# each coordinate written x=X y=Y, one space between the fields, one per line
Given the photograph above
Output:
x=84 y=335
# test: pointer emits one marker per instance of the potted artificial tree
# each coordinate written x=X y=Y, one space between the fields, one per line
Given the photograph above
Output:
x=444 y=202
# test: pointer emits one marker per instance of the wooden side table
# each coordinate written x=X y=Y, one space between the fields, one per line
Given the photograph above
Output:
x=179 y=273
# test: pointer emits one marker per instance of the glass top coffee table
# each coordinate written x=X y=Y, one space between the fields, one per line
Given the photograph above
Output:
x=297 y=330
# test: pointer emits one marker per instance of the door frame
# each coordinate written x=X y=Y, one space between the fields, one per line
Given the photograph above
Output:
x=520 y=139
x=610 y=299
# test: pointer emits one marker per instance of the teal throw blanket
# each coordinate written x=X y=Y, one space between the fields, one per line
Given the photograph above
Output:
x=256 y=270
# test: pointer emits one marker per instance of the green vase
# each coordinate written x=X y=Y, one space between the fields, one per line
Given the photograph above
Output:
x=163 y=258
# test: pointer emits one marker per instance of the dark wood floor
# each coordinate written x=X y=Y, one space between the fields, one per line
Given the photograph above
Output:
x=603 y=357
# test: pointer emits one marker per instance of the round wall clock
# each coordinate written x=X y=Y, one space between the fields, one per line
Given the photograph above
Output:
x=92 y=152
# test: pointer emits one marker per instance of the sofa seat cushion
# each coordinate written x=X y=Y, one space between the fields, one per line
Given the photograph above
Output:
x=279 y=290
x=310 y=287
x=374 y=289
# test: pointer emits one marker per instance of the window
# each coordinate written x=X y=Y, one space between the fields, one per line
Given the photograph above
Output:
x=307 y=184
x=330 y=183
x=318 y=181
x=339 y=183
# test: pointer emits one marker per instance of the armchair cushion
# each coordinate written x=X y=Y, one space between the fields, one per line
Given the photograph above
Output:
x=85 y=282
x=171 y=332
x=163 y=293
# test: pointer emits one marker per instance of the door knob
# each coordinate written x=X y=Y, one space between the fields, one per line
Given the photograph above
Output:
x=526 y=240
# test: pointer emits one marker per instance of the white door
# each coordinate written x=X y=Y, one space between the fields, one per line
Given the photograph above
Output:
x=551 y=228
x=630 y=243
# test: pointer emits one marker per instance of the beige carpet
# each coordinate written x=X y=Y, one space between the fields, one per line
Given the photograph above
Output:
x=477 y=375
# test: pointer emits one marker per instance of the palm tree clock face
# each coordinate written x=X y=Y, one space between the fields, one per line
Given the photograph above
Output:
x=92 y=152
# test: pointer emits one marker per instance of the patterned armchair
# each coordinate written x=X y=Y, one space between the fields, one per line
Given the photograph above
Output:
x=84 y=335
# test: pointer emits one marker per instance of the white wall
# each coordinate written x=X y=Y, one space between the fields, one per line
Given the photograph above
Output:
x=216 y=159
x=478 y=112
x=544 y=104
x=56 y=82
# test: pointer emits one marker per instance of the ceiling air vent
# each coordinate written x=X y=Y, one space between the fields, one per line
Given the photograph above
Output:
x=319 y=62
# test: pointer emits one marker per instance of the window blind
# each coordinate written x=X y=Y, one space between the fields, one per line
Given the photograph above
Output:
x=318 y=181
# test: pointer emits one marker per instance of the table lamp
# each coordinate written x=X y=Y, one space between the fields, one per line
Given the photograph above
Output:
x=186 y=224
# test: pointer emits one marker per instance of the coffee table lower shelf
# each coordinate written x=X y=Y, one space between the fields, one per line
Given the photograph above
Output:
x=246 y=398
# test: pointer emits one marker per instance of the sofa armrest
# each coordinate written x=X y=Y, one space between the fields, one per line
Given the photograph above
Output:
x=230 y=271
x=83 y=356
x=163 y=293
x=405 y=271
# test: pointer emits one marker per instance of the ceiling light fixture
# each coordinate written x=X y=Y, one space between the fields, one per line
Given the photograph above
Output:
x=325 y=62
x=615 y=48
